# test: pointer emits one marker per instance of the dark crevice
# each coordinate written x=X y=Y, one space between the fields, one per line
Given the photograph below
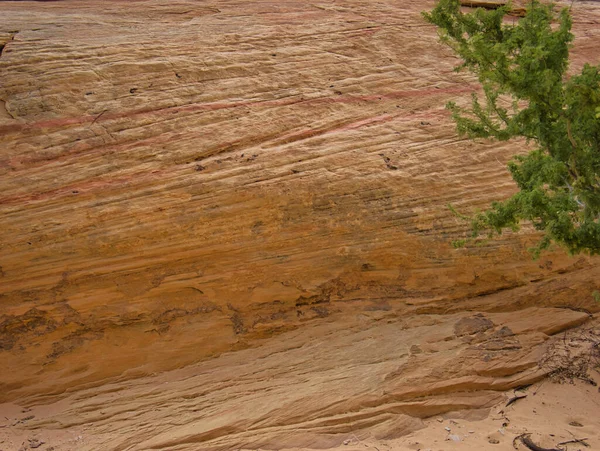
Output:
x=12 y=35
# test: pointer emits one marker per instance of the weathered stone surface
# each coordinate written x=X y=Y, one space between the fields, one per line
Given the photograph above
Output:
x=182 y=179
x=472 y=325
x=311 y=387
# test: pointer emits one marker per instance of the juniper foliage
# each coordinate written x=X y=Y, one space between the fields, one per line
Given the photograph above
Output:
x=526 y=92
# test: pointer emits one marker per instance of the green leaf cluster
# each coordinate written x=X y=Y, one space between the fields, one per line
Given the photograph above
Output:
x=526 y=92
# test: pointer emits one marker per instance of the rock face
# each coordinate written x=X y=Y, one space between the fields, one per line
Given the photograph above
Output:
x=374 y=374
x=181 y=179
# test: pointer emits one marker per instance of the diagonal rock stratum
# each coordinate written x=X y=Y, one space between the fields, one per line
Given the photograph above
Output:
x=184 y=179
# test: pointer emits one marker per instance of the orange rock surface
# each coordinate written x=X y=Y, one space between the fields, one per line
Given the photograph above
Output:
x=259 y=190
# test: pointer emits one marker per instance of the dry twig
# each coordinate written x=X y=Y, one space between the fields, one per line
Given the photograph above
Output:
x=577 y=440
x=526 y=440
x=515 y=399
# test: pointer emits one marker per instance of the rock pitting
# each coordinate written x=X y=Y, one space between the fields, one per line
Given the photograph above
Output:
x=258 y=190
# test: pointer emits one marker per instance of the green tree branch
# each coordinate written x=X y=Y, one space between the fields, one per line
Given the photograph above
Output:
x=526 y=63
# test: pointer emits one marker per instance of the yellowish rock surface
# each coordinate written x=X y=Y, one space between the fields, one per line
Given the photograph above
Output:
x=259 y=190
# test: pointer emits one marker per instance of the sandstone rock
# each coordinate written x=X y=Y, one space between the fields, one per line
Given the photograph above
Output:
x=493 y=4
x=472 y=325
x=308 y=388
x=260 y=189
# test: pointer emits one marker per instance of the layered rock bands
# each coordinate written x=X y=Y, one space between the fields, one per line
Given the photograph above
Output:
x=259 y=189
